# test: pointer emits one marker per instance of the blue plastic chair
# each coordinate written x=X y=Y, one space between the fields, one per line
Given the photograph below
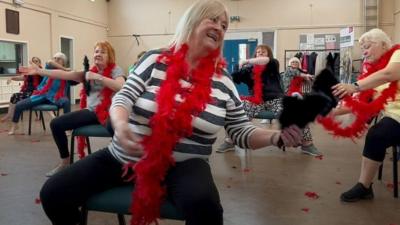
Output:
x=96 y=130
x=118 y=200
x=264 y=114
x=41 y=109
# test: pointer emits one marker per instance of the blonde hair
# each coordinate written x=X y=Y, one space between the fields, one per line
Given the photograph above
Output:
x=193 y=16
x=376 y=35
x=295 y=59
x=110 y=50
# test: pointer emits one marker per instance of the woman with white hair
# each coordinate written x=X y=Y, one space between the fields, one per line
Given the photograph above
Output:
x=166 y=118
x=49 y=91
x=293 y=79
x=379 y=83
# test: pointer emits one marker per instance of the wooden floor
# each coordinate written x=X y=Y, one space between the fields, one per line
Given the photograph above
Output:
x=267 y=187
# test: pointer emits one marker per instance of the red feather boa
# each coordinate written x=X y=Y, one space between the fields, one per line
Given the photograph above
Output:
x=295 y=85
x=59 y=94
x=169 y=124
x=362 y=106
x=257 y=89
x=35 y=81
x=101 y=109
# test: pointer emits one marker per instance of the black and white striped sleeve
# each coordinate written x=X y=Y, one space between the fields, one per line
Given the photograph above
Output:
x=237 y=124
x=136 y=82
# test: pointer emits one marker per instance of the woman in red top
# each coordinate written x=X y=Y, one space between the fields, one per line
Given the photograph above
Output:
x=29 y=85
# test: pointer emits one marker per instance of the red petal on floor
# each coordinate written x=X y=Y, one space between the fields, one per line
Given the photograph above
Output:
x=3 y=174
x=311 y=194
x=38 y=201
x=320 y=157
x=35 y=140
x=390 y=185
x=338 y=182
x=305 y=210
x=246 y=170
x=228 y=186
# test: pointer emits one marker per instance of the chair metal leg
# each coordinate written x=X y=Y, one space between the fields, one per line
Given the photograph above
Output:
x=42 y=119
x=121 y=219
x=71 y=155
x=395 y=175
x=380 y=172
x=88 y=146
x=30 y=122
x=84 y=216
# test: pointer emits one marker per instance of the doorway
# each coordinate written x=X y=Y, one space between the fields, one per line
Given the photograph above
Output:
x=234 y=51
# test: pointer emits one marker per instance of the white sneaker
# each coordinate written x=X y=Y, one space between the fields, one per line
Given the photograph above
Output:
x=264 y=121
x=56 y=170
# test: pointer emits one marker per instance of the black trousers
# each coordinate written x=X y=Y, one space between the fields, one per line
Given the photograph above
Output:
x=382 y=135
x=190 y=187
x=70 y=121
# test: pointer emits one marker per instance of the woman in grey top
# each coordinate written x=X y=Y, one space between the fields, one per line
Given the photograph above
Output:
x=104 y=78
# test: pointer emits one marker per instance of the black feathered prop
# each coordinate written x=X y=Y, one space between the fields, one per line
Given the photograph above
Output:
x=303 y=110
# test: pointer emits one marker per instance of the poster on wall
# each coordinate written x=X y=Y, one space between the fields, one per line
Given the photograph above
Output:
x=319 y=41
x=347 y=37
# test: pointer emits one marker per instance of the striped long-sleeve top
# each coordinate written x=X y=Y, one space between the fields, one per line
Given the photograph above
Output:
x=225 y=110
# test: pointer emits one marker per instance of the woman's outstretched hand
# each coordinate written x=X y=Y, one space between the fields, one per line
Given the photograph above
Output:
x=341 y=90
x=33 y=69
x=291 y=136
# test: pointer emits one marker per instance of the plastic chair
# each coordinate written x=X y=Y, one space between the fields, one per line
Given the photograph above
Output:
x=96 y=130
x=396 y=153
x=264 y=114
x=41 y=109
x=118 y=200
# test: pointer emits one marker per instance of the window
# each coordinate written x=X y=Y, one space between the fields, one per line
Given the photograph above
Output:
x=12 y=54
x=67 y=49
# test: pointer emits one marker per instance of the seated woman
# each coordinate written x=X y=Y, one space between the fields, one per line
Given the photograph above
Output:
x=166 y=118
x=265 y=88
x=30 y=83
x=382 y=65
x=294 y=76
x=49 y=91
x=104 y=78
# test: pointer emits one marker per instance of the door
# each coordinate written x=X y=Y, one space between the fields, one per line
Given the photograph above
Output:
x=234 y=50
x=66 y=44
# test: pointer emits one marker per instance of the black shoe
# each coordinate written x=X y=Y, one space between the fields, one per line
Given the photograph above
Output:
x=357 y=192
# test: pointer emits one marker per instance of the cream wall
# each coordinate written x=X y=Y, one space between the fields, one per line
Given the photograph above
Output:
x=396 y=21
x=158 y=18
x=43 y=22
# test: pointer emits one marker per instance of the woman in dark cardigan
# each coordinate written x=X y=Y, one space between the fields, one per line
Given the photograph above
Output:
x=261 y=75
